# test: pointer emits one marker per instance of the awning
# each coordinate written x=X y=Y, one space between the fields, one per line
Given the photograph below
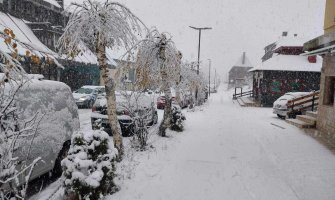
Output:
x=322 y=51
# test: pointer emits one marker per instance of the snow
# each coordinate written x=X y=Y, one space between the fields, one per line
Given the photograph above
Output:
x=225 y=152
x=230 y=152
x=23 y=33
x=53 y=2
x=280 y=62
x=290 y=41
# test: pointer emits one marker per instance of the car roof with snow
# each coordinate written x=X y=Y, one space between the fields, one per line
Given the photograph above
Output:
x=92 y=86
x=123 y=99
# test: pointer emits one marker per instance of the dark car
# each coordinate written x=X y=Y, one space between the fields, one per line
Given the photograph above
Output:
x=126 y=108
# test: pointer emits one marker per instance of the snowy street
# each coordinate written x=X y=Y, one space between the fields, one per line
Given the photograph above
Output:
x=167 y=100
x=230 y=152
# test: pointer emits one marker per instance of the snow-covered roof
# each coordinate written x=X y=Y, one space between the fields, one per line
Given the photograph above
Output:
x=240 y=63
x=53 y=2
x=290 y=41
x=289 y=63
x=24 y=35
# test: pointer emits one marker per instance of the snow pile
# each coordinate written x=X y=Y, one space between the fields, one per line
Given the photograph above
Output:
x=88 y=170
x=53 y=2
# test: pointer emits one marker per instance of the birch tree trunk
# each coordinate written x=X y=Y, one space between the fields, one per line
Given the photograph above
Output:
x=167 y=110
x=178 y=99
x=167 y=91
x=110 y=95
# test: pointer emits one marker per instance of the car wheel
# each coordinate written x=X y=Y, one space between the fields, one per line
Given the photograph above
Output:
x=57 y=170
x=280 y=116
x=90 y=104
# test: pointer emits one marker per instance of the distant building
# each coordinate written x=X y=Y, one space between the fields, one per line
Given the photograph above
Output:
x=284 y=70
x=324 y=46
x=239 y=74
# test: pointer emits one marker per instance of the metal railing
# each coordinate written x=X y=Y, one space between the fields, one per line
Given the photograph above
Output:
x=241 y=94
x=300 y=104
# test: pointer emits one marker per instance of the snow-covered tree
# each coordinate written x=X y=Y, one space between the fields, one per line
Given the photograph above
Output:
x=190 y=80
x=13 y=131
x=88 y=169
x=157 y=64
x=101 y=25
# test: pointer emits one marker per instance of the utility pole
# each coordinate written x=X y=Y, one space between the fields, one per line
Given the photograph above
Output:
x=209 y=78
x=215 y=80
x=199 y=29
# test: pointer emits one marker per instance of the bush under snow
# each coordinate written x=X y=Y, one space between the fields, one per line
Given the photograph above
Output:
x=177 y=120
x=88 y=170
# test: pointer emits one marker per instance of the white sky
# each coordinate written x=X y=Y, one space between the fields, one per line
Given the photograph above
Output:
x=238 y=25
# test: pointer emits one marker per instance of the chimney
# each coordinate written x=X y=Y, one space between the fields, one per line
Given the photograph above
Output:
x=284 y=34
x=243 y=58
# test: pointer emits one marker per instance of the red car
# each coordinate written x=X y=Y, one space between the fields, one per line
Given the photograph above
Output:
x=161 y=102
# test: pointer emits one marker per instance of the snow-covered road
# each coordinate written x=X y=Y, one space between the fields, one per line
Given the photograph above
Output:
x=230 y=152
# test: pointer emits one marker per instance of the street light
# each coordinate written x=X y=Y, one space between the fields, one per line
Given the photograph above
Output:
x=199 y=29
x=209 y=78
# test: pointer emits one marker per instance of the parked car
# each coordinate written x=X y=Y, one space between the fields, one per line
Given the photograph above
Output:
x=280 y=106
x=161 y=102
x=86 y=95
x=185 y=100
x=141 y=104
x=57 y=112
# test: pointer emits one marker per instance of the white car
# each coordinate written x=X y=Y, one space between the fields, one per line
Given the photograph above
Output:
x=280 y=106
x=54 y=105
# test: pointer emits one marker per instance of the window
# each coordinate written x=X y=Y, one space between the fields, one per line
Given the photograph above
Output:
x=329 y=91
x=276 y=86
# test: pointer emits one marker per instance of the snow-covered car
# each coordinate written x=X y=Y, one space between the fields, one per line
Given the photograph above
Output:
x=184 y=101
x=86 y=95
x=126 y=108
x=280 y=106
x=57 y=119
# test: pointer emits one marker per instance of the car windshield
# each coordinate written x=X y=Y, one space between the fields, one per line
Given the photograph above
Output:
x=84 y=91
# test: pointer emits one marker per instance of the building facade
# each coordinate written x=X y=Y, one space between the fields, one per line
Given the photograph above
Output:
x=284 y=70
x=239 y=74
x=45 y=17
x=325 y=46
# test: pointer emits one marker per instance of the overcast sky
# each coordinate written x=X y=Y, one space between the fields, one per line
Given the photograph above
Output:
x=238 y=25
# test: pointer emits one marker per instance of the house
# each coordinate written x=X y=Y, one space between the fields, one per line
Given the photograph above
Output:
x=325 y=46
x=37 y=57
x=284 y=70
x=239 y=74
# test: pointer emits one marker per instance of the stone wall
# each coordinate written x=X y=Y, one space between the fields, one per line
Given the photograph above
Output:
x=326 y=112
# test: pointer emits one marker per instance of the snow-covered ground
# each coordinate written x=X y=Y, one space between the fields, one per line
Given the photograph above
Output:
x=230 y=152
x=226 y=152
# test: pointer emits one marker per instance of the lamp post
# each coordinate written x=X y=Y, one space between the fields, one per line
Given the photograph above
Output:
x=199 y=29
x=209 y=78
x=215 y=79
